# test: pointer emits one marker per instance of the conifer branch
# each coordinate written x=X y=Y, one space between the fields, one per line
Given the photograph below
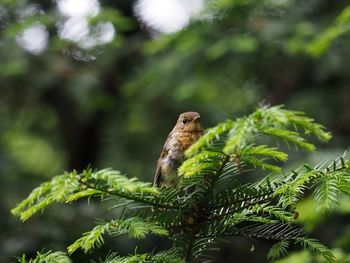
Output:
x=210 y=203
x=49 y=256
x=134 y=227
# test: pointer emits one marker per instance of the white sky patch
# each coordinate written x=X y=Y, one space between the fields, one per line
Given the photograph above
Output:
x=102 y=33
x=78 y=30
x=74 y=29
x=167 y=16
x=78 y=8
x=75 y=26
x=34 y=39
x=105 y=32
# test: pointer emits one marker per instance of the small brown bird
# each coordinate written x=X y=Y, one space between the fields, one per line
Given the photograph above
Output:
x=187 y=131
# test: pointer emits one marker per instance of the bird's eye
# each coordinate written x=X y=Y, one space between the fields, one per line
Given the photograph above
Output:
x=184 y=121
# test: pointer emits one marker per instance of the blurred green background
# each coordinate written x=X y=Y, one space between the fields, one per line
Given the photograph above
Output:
x=100 y=83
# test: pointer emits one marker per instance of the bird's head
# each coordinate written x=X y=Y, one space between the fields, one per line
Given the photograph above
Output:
x=189 y=122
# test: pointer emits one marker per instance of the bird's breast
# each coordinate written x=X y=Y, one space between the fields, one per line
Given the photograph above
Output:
x=179 y=144
x=186 y=139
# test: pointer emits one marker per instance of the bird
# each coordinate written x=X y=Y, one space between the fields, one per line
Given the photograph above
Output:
x=187 y=131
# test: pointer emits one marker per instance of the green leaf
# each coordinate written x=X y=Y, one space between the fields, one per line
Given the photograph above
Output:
x=47 y=257
x=314 y=246
x=264 y=150
x=260 y=163
x=82 y=194
x=278 y=250
x=327 y=193
x=134 y=227
x=322 y=42
x=210 y=136
x=289 y=137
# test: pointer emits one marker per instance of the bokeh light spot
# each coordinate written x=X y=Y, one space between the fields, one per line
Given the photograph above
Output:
x=167 y=16
x=74 y=29
x=34 y=38
x=78 y=8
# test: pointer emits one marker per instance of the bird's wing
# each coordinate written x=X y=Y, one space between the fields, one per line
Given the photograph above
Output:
x=158 y=175
x=164 y=153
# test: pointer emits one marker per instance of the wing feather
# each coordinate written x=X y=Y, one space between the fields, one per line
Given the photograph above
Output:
x=164 y=153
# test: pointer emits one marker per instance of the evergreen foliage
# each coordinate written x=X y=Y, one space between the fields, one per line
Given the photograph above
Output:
x=47 y=257
x=211 y=202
